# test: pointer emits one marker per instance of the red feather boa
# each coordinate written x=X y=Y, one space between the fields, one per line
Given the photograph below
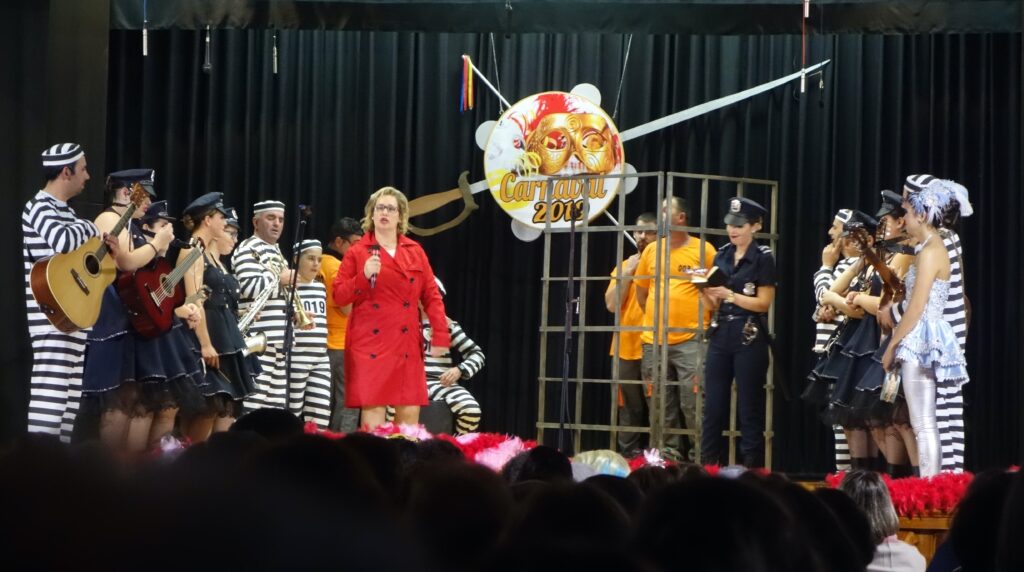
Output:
x=488 y=448
x=921 y=496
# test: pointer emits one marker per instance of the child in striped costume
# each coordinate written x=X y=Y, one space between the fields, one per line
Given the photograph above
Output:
x=49 y=226
x=309 y=389
x=443 y=377
x=836 y=257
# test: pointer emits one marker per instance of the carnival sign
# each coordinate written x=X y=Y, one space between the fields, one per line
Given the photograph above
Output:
x=541 y=140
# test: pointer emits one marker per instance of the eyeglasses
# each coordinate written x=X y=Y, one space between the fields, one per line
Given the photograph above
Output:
x=385 y=208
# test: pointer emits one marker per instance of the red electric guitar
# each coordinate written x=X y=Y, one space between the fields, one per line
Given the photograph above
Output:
x=151 y=294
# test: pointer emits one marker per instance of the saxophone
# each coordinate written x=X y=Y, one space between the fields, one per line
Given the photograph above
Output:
x=246 y=321
x=256 y=343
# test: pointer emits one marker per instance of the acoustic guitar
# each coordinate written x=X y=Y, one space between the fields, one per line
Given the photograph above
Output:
x=152 y=293
x=69 y=287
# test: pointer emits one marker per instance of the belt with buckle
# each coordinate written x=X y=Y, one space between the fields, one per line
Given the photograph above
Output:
x=731 y=317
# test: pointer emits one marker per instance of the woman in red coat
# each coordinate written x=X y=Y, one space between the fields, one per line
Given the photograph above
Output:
x=385 y=276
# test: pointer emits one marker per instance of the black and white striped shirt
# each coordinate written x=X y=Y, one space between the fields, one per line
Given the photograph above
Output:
x=49 y=226
x=250 y=262
x=824 y=278
x=471 y=354
x=314 y=302
x=956 y=309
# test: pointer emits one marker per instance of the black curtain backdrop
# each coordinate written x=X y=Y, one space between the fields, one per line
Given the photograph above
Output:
x=349 y=112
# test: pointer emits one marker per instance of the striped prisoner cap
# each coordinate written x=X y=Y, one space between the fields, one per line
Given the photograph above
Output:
x=916 y=183
x=264 y=206
x=62 y=154
x=306 y=245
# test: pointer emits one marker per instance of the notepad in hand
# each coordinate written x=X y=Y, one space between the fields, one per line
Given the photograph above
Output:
x=713 y=277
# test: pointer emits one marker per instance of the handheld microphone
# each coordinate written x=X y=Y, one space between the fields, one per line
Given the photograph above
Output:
x=305 y=210
x=374 y=251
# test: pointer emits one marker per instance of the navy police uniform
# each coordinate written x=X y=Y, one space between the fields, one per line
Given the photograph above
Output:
x=738 y=347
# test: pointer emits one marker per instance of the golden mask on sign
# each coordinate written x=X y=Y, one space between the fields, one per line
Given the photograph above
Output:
x=561 y=136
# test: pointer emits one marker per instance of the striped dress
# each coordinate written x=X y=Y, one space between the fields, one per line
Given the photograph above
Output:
x=309 y=389
x=50 y=226
x=949 y=401
x=250 y=261
x=464 y=406
x=824 y=278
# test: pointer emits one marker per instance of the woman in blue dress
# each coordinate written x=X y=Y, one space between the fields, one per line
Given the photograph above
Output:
x=923 y=346
x=230 y=370
x=137 y=383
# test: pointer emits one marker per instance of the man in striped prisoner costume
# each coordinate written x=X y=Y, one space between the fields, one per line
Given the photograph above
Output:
x=443 y=377
x=49 y=226
x=836 y=257
x=949 y=400
x=258 y=264
x=309 y=385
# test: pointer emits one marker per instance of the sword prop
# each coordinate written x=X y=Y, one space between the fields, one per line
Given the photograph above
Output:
x=419 y=207
x=695 y=111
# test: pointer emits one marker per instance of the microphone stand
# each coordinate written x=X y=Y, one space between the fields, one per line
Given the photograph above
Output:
x=571 y=308
x=289 y=308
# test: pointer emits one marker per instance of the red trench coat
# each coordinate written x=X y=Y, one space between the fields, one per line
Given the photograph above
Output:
x=383 y=340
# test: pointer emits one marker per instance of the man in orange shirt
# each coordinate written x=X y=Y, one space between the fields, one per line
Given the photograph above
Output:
x=632 y=403
x=343 y=234
x=683 y=348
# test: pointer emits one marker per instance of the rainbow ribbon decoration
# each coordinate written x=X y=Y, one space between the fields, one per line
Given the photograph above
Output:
x=466 y=97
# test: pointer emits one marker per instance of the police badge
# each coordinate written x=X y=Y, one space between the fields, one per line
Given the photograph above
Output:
x=734 y=205
x=749 y=289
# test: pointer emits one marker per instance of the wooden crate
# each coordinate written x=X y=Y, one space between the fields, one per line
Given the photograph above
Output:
x=925 y=533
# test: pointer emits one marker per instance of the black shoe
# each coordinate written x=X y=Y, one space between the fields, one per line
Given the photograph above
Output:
x=709 y=460
x=859 y=463
x=753 y=461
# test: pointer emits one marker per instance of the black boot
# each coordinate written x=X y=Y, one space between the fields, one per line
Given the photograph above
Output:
x=858 y=463
x=878 y=464
x=915 y=471
x=899 y=471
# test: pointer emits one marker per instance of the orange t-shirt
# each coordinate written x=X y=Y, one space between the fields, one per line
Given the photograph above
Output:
x=630 y=314
x=683 y=295
x=336 y=320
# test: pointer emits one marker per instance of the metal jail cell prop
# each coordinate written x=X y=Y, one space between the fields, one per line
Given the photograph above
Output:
x=713 y=192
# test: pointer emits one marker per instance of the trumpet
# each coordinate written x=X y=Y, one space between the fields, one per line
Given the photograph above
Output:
x=302 y=318
x=275 y=266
